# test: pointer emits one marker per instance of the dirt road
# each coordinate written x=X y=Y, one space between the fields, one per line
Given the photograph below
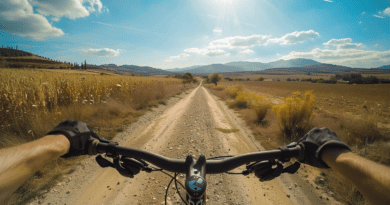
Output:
x=185 y=126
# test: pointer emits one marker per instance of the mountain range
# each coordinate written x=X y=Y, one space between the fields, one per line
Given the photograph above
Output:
x=298 y=64
x=240 y=66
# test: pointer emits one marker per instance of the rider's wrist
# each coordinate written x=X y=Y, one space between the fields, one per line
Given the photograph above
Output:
x=330 y=155
x=61 y=145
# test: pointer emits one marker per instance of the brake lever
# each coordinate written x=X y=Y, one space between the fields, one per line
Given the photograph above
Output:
x=292 y=168
x=104 y=162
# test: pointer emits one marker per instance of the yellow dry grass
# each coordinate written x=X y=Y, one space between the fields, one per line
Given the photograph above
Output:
x=32 y=102
x=354 y=112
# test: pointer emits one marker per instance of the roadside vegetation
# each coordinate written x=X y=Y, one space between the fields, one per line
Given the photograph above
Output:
x=187 y=78
x=357 y=113
x=214 y=78
x=32 y=102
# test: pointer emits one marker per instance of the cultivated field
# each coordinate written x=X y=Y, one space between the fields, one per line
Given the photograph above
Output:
x=355 y=112
x=33 y=101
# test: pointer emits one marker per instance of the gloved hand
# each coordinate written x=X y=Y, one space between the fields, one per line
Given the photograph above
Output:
x=264 y=171
x=79 y=135
x=315 y=142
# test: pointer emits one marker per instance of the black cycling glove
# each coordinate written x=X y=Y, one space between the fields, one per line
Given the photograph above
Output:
x=264 y=171
x=79 y=135
x=315 y=142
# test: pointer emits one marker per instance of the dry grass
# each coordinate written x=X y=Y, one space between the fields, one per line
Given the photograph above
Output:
x=295 y=115
x=363 y=108
x=32 y=102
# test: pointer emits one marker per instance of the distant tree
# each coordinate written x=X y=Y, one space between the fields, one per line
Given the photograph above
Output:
x=288 y=79
x=214 y=78
x=187 y=78
x=261 y=78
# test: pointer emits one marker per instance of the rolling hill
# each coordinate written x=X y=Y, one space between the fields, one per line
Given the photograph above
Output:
x=240 y=66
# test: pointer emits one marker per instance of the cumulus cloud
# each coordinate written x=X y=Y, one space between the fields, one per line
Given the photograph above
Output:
x=183 y=55
x=386 y=11
x=296 y=37
x=336 y=42
x=328 y=0
x=247 y=51
x=216 y=52
x=222 y=46
x=239 y=42
x=102 y=52
x=344 y=43
x=350 y=45
x=217 y=32
x=346 y=54
x=17 y=17
x=71 y=8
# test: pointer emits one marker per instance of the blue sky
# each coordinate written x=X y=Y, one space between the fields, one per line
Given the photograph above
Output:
x=178 y=33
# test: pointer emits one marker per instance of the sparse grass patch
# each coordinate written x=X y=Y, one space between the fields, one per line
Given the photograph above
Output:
x=162 y=102
x=358 y=130
x=218 y=87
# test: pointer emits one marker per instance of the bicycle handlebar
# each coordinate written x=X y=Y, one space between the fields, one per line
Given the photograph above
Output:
x=212 y=166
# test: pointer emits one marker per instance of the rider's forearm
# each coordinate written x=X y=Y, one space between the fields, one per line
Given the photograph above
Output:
x=19 y=163
x=370 y=178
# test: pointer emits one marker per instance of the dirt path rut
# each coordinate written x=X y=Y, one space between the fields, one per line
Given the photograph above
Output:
x=186 y=126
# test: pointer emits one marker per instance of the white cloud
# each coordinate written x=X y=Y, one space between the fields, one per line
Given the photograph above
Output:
x=247 y=51
x=363 y=12
x=217 y=32
x=350 y=46
x=206 y=52
x=296 y=37
x=328 y=0
x=344 y=43
x=239 y=42
x=17 y=17
x=346 y=54
x=71 y=8
x=195 y=50
x=387 y=11
x=378 y=16
x=216 y=52
x=360 y=22
x=183 y=55
x=103 y=52
x=336 y=42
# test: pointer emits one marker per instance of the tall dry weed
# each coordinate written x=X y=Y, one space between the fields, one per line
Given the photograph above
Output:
x=232 y=92
x=296 y=114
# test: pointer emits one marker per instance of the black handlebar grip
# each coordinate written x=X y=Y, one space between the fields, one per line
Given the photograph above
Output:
x=92 y=149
